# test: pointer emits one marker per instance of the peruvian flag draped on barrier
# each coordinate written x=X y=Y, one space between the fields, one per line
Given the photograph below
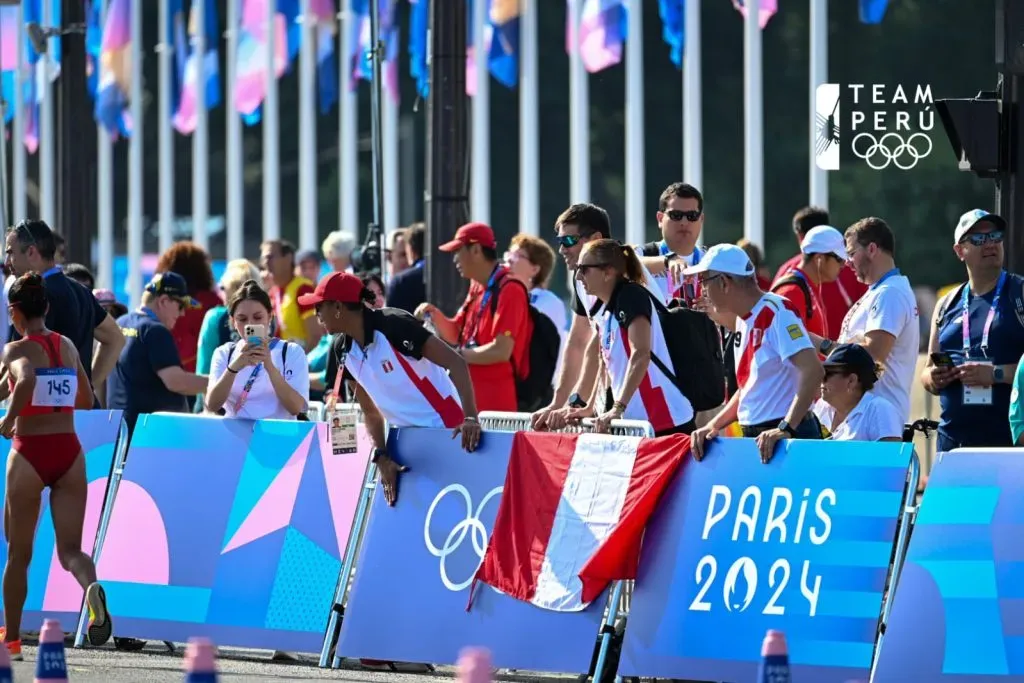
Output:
x=573 y=513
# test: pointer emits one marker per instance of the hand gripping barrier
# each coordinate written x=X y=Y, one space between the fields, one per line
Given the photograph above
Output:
x=228 y=529
x=54 y=593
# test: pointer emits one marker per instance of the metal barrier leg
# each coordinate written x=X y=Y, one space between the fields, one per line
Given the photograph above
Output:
x=900 y=554
x=113 y=483
x=333 y=624
x=607 y=630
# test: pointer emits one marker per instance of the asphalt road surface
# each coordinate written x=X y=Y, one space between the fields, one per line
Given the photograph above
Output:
x=156 y=664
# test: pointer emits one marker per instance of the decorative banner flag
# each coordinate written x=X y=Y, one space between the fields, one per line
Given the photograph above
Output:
x=573 y=513
x=603 y=28
x=501 y=40
x=114 y=86
x=419 y=21
x=766 y=10
x=326 y=64
x=873 y=11
x=389 y=35
x=186 y=115
x=673 y=25
x=250 y=87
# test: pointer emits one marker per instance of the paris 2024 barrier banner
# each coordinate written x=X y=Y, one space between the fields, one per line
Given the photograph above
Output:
x=230 y=529
x=52 y=592
x=958 y=614
x=417 y=561
x=801 y=545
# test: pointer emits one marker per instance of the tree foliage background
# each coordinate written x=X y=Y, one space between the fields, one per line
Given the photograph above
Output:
x=947 y=44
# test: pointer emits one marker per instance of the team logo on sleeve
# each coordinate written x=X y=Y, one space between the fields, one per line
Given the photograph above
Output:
x=794 y=331
x=388 y=367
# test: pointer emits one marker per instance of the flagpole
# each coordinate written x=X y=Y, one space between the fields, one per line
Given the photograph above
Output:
x=19 y=166
x=348 y=122
x=579 y=111
x=104 y=194
x=693 y=118
x=200 y=137
x=165 y=133
x=529 y=126
x=390 y=108
x=235 y=187
x=47 y=139
x=819 y=75
x=136 y=169
x=636 y=232
x=307 y=130
x=271 y=160
x=480 y=201
x=753 y=123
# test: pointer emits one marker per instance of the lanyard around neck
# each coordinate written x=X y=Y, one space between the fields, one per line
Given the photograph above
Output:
x=989 y=319
x=891 y=273
x=244 y=396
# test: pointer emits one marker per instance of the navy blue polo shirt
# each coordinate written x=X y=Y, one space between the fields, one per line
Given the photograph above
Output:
x=981 y=425
x=134 y=386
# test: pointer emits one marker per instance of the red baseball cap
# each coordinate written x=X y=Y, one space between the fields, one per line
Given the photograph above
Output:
x=343 y=287
x=471 y=233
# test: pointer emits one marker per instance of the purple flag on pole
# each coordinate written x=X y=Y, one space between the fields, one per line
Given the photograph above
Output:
x=115 y=70
x=603 y=26
x=766 y=10
x=250 y=88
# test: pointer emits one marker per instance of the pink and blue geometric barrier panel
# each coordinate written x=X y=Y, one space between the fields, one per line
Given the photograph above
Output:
x=801 y=545
x=229 y=529
x=958 y=614
x=411 y=588
x=52 y=592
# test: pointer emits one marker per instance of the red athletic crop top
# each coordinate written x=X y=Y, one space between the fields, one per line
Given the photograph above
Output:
x=55 y=385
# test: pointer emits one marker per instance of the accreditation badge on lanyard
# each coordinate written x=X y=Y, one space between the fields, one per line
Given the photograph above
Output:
x=343 y=421
x=979 y=396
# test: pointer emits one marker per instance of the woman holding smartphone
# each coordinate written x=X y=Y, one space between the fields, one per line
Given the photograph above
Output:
x=257 y=377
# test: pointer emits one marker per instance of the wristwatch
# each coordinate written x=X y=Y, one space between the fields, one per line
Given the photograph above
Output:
x=785 y=427
x=826 y=346
x=997 y=373
x=576 y=401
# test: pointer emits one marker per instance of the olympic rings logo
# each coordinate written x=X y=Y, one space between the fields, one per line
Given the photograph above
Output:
x=894 y=154
x=471 y=525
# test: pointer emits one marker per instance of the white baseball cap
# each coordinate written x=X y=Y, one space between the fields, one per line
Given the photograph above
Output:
x=972 y=218
x=724 y=258
x=824 y=239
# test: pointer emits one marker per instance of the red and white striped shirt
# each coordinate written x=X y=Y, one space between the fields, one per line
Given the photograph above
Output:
x=771 y=334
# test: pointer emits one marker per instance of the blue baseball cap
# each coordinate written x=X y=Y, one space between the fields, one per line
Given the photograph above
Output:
x=172 y=285
x=852 y=356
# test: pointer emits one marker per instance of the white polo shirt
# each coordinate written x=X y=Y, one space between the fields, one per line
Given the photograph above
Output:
x=872 y=419
x=889 y=305
x=261 y=402
x=408 y=389
x=770 y=335
x=657 y=400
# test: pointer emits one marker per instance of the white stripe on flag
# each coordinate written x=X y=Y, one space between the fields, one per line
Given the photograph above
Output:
x=590 y=505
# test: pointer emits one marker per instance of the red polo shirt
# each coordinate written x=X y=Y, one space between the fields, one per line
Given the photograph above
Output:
x=480 y=321
x=837 y=297
x=816 y=322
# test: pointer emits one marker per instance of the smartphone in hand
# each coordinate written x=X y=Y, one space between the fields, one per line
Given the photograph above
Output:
x=255 y=334
x=942 y=359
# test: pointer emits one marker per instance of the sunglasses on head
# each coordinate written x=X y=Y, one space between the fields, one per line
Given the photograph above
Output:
x=677 y=215
x=980 y=238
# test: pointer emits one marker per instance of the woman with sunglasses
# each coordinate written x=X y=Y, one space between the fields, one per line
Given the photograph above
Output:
x=48 y=383
x=848 y=409
x=976 y=340
x=634 y=351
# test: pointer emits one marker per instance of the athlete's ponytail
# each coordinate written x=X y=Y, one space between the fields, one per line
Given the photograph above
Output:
x=620 y=257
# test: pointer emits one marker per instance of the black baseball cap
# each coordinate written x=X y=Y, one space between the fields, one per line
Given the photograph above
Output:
x=852 y=356
x=172 y=285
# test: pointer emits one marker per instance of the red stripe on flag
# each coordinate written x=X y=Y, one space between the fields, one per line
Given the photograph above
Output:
x=537 y=471
x=657 y=461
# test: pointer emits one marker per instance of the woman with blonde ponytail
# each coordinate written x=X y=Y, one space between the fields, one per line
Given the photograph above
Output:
x=633 y=347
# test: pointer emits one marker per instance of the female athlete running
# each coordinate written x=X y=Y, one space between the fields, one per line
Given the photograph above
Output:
x=47 y=383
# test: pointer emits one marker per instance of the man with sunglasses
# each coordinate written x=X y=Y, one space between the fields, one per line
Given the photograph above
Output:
x=973 y=358
x=680 y=219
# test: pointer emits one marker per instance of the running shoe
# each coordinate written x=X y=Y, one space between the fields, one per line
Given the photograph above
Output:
x=101 y=626
x=13 y=647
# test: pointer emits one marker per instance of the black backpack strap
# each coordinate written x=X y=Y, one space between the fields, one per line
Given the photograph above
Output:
x=651 y=249
x=660 y=309
x=500 y=285
x=942 y=307
x=798 y=281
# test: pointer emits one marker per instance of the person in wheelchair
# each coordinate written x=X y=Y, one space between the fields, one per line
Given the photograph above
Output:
x=848 y=409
